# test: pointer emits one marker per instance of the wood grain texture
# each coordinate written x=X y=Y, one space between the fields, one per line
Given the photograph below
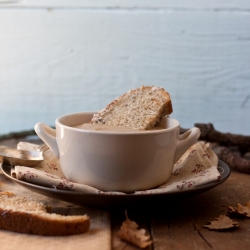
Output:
x=172 y=224
x=179 y=224
x=59 y=57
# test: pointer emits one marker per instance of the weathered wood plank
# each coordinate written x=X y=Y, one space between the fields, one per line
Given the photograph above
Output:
x=174 y=228
x=180 y=226
x=68 y=60
x=176 y=4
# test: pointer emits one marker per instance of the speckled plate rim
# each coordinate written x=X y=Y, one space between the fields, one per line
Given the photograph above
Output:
x=111 y=200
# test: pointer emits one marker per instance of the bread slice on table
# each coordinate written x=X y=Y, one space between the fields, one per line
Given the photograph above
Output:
x=23 y=215
x=139 y=109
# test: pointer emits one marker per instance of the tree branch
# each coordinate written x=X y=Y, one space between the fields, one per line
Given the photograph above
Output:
x=208 y=133
x=16 y=135
x=232 y=159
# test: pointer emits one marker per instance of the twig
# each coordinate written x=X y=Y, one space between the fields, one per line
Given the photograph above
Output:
x=224 y=145
x=232 y=159
x=16 y=135
x=208 y=133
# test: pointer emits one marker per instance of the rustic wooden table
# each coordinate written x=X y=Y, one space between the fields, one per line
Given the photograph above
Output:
x=178 y=224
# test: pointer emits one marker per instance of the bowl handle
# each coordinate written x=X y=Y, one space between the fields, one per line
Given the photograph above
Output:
x=48 y=136
x=186 y=140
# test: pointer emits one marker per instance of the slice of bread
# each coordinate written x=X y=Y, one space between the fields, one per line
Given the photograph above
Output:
x=23 y=215
x=139 y=109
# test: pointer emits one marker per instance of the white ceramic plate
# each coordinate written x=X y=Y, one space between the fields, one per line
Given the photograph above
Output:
x=122 y=200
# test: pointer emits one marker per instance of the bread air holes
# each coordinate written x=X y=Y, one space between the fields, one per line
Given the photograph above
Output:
x=100 y=120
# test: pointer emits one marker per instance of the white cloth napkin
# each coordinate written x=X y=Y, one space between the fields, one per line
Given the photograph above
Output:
x=196 y=167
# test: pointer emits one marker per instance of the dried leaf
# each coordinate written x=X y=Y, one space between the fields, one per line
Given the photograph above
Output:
x=129 y=232
x=221 y=223
x=240 y=209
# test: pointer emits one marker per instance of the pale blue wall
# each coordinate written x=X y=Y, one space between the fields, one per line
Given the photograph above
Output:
x=59 y=57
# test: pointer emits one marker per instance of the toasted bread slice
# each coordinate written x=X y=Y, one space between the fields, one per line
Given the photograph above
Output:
x=139 y=109
x=23 y=215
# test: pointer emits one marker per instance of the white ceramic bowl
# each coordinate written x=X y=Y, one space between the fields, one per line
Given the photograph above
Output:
x=116 y=161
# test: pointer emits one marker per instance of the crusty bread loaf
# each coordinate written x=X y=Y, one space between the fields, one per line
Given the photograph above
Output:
x=139 y=109
x=23 y=215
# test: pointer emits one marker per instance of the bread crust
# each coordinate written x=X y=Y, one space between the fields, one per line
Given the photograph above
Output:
x=140 y=109
x=32 y=217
